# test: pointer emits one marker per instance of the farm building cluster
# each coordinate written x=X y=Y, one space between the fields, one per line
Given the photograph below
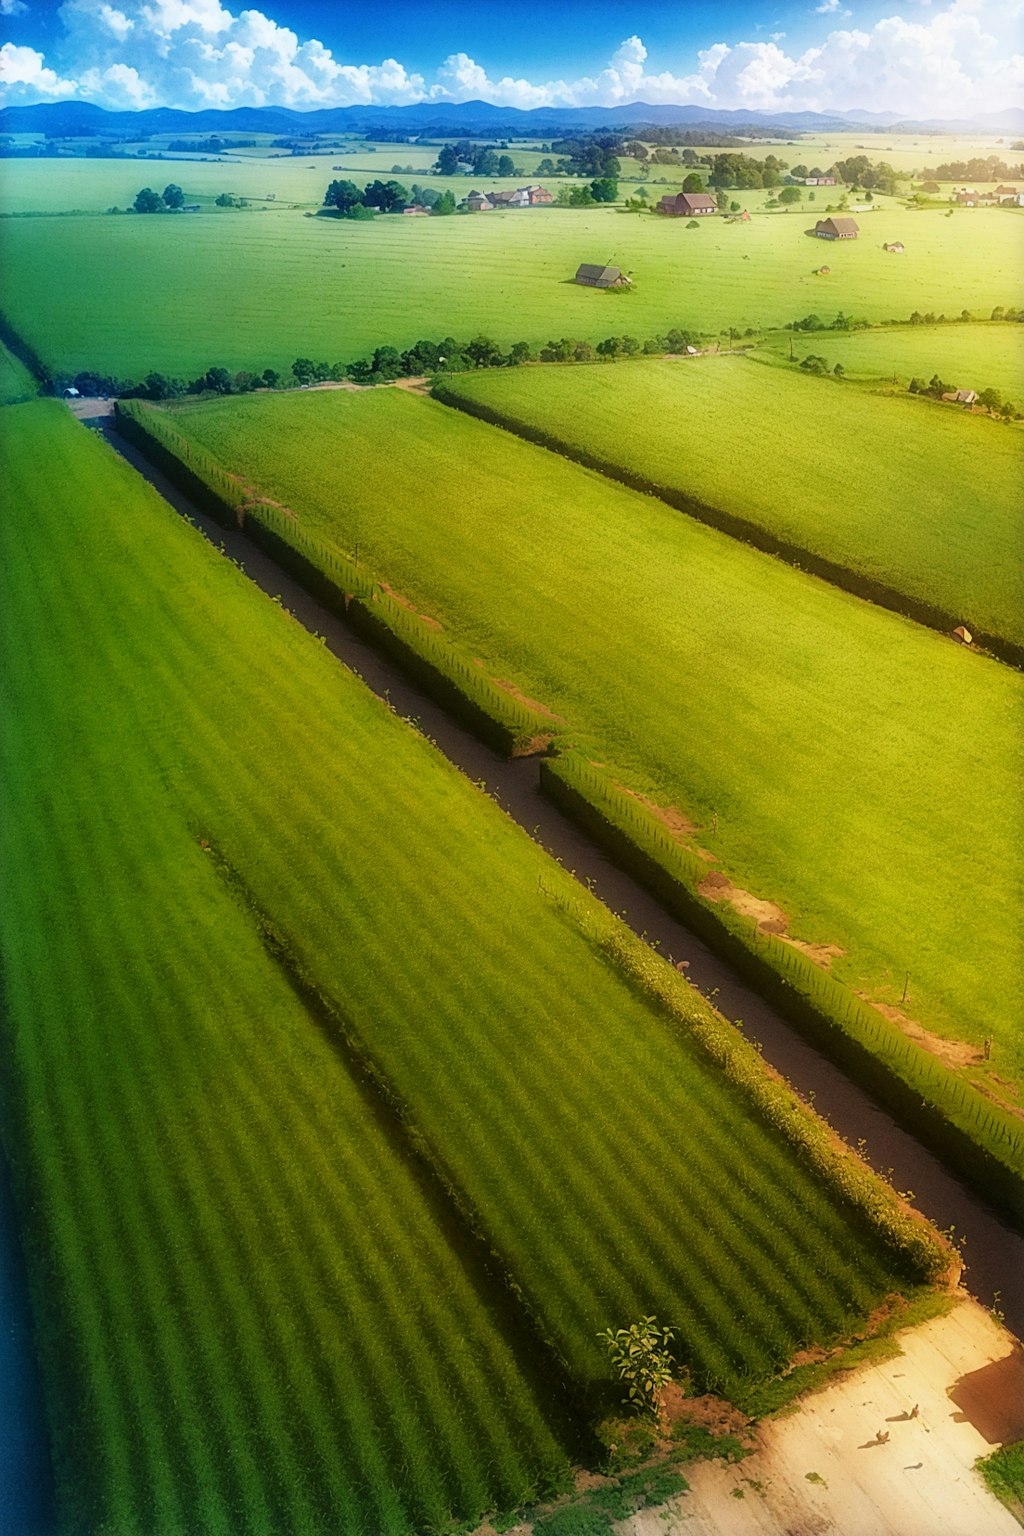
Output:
x=522 y=197
x=687 y=205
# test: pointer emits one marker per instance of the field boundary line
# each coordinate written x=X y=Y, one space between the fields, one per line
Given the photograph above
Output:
x=972 y=1135
x=929 y=615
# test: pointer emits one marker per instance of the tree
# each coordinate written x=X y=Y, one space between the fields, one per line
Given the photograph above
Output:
x=722 y=200
x=790 y=195
x=520 y=352
x=640 y=1354
x=604 y=190
x=271 y=378
x=693 y=224
x=546 y=167
x=360 y=211
x=304 y=370
x=485 y=161
x=580 y=197
x=693 y=183
x=484 y=353
x=174 y=197
x=800 y=172
x=506 y=165
x=991 y=398
x=225 y=200
x=385 y=195
x=218 y=380
x=342 y=195
x=734 y=207
x=387 y=364
x=148 y=201
x=445 y=203
x=447 y=162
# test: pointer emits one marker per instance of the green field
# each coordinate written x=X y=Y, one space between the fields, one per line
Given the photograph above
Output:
x=16 y=383
x=815 y=730
x=258 y=1311
x=92 y=186
x=965 y=556
x=259 y=290
x=964 y=356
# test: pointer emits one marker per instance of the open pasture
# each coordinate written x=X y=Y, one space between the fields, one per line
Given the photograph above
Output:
x=252 y=1314
x=964 y=356
x=258 y=290
x=92 y=186
x=850 y=765
x=265 y=1311
x=943 y=524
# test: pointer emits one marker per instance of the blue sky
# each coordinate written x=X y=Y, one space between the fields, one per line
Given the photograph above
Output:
x=914 y=57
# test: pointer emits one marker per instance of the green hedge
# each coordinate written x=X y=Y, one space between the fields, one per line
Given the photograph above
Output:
x=974 y=1136
x=337 y=582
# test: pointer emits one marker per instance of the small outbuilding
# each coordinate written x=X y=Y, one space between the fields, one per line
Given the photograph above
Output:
x=71 y=393
x=963 y=634
x=478 y=202
x=895 y=248
x=415 y=211
x=600 y=277
x=688 y=205
x=836 y=229
x=967 y=198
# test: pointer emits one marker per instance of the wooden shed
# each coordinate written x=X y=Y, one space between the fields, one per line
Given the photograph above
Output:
x=600 y=277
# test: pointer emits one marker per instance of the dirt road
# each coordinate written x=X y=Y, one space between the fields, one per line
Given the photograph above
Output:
x=823 y=1472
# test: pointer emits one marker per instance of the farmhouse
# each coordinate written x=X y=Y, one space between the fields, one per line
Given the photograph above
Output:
x=520 y=198
x=538 y=196
x=688 y=204
x=961 y=396
x=836 y=229
x=895 y=247
x=600 y=277
x=819 y=181
x=478 y=202
x=967 y=199
x=1006 y=192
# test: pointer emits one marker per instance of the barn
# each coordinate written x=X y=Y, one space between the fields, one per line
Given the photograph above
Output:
x=836 y=229
x=600 y=277
x=688 y=205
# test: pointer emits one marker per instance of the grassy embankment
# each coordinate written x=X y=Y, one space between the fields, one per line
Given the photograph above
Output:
x=16 y=383
x=255 y=1120
x=836 y=759
x=257 y=291
x=936 y=524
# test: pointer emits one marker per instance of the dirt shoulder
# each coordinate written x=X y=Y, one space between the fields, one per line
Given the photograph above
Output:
x=821 y=1471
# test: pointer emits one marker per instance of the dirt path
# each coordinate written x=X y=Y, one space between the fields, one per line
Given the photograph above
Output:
x=821 y=1471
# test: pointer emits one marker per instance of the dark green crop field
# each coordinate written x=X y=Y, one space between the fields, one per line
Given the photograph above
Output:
x=259 y=1092
x=906 y=492
x=256 y=290
x=850 y=765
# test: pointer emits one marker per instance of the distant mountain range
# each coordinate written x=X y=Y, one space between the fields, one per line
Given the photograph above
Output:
x=467 y=117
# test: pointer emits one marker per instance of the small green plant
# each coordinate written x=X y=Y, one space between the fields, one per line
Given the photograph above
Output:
x=816 y=1477
x=640 y=1354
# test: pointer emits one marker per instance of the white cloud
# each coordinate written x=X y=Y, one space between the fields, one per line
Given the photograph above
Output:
x=195 y=53
x=25 y=77
x=12 y=7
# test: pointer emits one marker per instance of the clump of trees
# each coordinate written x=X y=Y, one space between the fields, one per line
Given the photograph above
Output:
x=352 y=202
x=978 y=168
x=990 y=399
x=605 y=189
x=171 y=200
x=481 y=159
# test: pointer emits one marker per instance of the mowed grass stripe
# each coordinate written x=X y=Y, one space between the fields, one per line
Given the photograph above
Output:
x=808 y=732
x=197 y=1111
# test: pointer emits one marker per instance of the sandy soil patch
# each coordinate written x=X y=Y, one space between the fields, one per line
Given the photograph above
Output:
x=955 y=1053
x=855 y=1459
x=769 y=917
x=405 y=602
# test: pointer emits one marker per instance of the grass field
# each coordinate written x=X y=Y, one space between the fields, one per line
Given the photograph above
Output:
x=259 y=290
x=16 y=383
x=965 y=356
x=93 y=186
x=966 y=556
x=253 y=1304
x=690 y=663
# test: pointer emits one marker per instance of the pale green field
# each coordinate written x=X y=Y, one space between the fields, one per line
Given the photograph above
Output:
x=854 y=766
x=964 y=356
x=93 y=186
x=902 y=151
x=964 y=554
x=127 y=295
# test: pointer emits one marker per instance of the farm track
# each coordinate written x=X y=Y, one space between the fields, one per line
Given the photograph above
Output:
x=994 y=1251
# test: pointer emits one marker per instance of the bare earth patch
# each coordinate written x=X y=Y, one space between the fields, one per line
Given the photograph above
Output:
x=769 y=918
x=955 y=1053
x=404 y=602
x=823 y=1471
